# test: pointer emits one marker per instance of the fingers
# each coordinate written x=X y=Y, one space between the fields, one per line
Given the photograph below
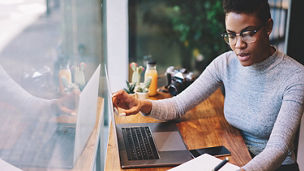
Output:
x=133 y=111
x=116 y=97
x=118 y=93
x=64 y=109
x=129 y=104
x=114 y=101
x=123 y=100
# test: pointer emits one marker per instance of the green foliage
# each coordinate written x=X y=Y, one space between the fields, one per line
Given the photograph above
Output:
x=196 y=24
x=143 y=87
x=130 y=87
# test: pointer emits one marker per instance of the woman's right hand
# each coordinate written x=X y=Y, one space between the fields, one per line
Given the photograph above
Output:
x=129 y=104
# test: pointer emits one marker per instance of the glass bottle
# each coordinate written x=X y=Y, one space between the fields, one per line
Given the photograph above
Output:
x=151 y=72
x=65 y=77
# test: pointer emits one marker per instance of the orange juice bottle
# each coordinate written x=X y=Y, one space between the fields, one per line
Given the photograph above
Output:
x=65 y=78
x=151 y=72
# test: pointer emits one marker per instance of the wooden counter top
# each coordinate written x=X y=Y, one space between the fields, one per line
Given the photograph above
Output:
x=203 y=126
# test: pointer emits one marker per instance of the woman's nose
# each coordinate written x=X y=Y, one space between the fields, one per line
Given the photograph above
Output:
x=239 y=42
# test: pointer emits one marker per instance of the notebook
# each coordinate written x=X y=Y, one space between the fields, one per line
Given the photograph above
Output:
x=204 y=162
x=168 y=149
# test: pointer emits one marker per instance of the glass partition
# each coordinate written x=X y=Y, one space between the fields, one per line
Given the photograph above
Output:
x=49 y=83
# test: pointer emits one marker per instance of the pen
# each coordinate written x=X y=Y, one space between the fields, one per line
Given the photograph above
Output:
x=221 y=164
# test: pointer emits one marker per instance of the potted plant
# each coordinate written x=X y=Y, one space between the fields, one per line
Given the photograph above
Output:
x=130 y=88
x=142 y=89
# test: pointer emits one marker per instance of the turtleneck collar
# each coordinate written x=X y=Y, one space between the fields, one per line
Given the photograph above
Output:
x=268 y=63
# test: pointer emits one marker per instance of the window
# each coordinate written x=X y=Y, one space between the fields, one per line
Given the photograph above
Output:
x=48 y=52
x=279 y=14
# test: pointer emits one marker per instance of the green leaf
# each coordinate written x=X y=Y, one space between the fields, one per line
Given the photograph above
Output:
x=130 y=87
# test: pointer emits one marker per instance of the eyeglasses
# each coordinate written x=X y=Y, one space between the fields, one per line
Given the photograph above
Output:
x=245 y=35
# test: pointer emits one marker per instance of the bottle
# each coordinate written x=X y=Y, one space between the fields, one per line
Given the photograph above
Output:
x=65 y=77
x=151 y=72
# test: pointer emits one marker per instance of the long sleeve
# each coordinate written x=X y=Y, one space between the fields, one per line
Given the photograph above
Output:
x=198 y=91
x=282 y=136
x=264 y=101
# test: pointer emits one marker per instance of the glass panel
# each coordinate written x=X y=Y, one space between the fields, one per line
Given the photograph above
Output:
x=176 y=33
x=48 y=97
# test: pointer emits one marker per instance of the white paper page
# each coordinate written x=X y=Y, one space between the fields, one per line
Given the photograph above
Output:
x=204 y=162
x=7 y=167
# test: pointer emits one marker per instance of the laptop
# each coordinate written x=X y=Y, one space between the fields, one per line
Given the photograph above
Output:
x=147 y=144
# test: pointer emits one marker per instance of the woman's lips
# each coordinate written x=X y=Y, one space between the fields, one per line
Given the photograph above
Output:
x=243 y=57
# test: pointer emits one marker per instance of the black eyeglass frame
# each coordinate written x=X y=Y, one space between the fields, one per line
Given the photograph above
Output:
x=225 y=35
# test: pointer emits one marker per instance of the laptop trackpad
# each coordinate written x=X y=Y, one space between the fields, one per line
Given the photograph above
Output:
x=168 y=141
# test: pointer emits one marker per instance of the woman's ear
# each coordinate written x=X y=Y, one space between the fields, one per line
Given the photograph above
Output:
x=268 y=26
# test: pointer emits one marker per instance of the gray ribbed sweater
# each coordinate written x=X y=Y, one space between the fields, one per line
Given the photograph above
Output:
x=264 y=101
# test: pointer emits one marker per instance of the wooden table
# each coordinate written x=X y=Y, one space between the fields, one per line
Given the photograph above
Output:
x=203 y=126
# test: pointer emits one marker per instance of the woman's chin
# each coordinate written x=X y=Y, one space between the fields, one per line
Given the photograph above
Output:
x=245 y=60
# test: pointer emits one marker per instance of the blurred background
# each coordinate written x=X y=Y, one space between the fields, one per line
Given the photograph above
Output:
x=40 y=37
x=186 y=33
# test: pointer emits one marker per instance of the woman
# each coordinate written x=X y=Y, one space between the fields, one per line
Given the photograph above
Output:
x=264 y=88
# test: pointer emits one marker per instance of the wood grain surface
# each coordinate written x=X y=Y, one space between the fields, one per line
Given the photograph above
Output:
x=202 y=126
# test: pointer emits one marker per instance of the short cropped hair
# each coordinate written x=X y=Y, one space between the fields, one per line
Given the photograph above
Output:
x=258 y=7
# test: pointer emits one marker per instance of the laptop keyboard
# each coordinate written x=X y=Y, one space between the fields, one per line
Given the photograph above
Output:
x=139 y=143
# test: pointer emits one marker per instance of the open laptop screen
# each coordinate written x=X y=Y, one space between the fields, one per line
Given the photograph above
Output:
x=111 y=109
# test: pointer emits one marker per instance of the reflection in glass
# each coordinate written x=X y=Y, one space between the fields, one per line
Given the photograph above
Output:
x=46 y=63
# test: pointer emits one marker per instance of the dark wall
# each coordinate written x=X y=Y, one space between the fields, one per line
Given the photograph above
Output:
x=295 y=46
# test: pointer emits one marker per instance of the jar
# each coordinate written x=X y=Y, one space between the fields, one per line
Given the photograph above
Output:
x=151 y=72
x=65 y=78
